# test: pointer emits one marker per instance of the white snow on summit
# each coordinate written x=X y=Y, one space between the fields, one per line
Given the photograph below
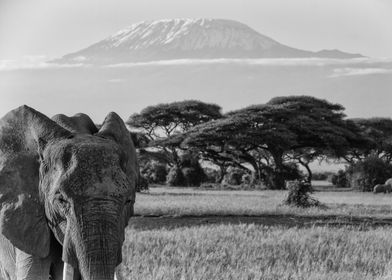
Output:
x=188 y=34
x=170 y=39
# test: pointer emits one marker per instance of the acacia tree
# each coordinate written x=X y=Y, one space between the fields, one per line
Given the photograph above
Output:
x=263 y=136
x=160 y=123
x=376 y=140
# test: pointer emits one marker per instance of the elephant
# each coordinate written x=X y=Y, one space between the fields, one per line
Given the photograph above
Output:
x=67 y=192
x=388 y=182
x=382 y=188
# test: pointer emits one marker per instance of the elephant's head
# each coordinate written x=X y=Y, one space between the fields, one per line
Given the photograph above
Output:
x=77 y=183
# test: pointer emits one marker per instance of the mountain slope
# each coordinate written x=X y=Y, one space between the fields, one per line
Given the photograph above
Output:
x=189 y=38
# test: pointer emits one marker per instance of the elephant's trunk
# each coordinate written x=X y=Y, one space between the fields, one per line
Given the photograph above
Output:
x=93 y=241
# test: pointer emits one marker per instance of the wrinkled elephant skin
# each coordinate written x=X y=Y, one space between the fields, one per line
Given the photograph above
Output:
x=67 y=192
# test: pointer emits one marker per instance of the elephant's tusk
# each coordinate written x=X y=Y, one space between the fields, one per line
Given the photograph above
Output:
x=68 y=272
x=115 y=276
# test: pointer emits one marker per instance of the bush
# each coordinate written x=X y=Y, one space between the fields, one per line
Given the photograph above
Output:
x=142 y=184
x=233 y=176
x=288 y=172
x=193 y=176
x=365 y=174
x=339 y=180
x=191 y=169
x=175 y=177
x=299 y=195
x=155 y=172
x=321 y=176
x=211 y=175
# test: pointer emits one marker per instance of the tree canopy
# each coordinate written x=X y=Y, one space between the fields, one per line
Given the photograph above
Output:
x=376 y=140
x=160 y=123
x=264 y=136
x=166 y=119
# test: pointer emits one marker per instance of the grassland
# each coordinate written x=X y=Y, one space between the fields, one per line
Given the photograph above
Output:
x=191 y=202
x=227 y=235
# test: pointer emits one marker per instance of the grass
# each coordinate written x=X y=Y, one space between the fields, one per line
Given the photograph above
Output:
x=257 y=252
x=182 y=233
x=191 y=202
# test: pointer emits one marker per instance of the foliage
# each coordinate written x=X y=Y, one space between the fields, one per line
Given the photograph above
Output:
x=339 y=179
x=154 y=172
x=377 y=135
x=142 y=184
x=247 y=180
x=364 y=175
x=164 y=125
x=322 y=176
x=299 y=195
x=234 y=176
x=286 y=129
x=175 y=177
x=288 y=171
x=171 y=118
x=191 y=169
x=212 y=175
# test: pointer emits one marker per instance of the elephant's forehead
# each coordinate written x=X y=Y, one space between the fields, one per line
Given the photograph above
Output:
x=87 y=151
x=90 y=166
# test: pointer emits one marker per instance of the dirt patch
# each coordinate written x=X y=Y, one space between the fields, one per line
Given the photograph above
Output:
x=169 y=222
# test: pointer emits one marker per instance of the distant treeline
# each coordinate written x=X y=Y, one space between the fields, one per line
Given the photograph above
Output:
x=266 y=143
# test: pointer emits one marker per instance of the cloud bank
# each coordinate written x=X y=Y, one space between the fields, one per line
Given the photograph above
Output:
x=32 y=62
x=338 y=67
x=340 y=72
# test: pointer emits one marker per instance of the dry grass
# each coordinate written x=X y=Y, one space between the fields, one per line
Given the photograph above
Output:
x=184 y=202
x=281 y=251
x=257 y=252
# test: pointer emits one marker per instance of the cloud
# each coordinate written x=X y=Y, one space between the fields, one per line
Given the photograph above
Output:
x=32 y=62
x=259 y=61
x=116 y=80
x=341 y=72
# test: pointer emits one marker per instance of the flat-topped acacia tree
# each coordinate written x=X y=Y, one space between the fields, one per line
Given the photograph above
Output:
x=161 y=122
x=269 y=136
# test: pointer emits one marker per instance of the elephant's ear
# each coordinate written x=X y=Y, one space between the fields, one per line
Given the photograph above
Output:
x=79 y=123
x=23 y=133
x=114 y=128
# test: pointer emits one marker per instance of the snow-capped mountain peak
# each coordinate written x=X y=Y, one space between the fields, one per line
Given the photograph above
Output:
x=187 y=38
x=188 y=34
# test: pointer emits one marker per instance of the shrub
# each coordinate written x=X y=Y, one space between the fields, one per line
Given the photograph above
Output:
x=193 y=176
x=365 y=174
x=191 y=169
x=142 y=184
x=211 y=175
x=288 y=172
x=208 y=185
x=233 y=176
x=339 y=180
x=154 y=172
x=299 y=195
x=249 y=181
x=321 y=176
x=175 y=177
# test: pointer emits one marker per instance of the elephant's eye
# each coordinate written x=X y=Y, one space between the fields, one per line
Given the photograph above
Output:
x=44 y=167
x=62 y=201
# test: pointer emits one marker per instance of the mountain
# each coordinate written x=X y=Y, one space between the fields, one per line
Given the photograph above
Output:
x=189 y=39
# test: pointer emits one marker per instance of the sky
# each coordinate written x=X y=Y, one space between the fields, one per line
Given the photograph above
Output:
x=31 y=32
x=54 y=28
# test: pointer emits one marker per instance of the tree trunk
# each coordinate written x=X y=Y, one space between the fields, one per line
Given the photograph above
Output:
x=222 y=173
x=310 y=174
x=278 y=179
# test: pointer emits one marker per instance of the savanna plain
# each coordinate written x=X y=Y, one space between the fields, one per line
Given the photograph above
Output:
x=186 y=233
